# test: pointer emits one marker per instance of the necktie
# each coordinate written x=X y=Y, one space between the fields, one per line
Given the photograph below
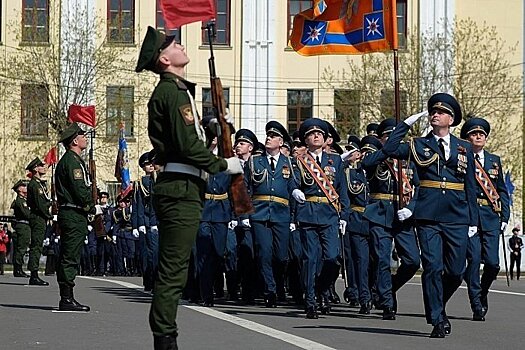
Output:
x=477 y=157
x=442 y=148
x=272 y=163
x=318 y=160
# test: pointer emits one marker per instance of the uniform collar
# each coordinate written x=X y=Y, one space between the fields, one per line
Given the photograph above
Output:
x=445 y=138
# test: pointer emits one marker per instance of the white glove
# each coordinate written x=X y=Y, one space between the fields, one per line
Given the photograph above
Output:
x=346 y=154
x=232 y=224
x=403 y=214
x=229 y=117
x=234 y=166
x=298 y=195
x=246 y=223
x=414 y=118
x=56 y=240
x=342 y=226
x=504 y=226
x=55 y=217
x=46 y=242
x=292 y=226
x=86 y=241
x=90 y=228
x=472 y=230
x=154 y=229
x=135 y=233
x=142 y=229
x=114 y=238
x=98 y=209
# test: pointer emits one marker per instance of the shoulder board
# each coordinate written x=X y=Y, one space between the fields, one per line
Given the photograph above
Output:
x=256 y=156
x=330 y=153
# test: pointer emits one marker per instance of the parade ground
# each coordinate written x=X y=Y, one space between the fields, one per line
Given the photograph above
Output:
x=119 y=320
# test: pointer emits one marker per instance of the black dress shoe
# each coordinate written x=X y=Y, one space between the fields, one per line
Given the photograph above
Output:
x=438 y=331
x=36 y=281
x=70 y=304
x=333 y=296
x=165 y=342
x=207 y=303
x=270 y=300
x=324 y=305
x=365 y=309
x=389 y=313
x=484 y=304
x=311 y=313
x=447 y=327
x=478 y=316
x=20 y=273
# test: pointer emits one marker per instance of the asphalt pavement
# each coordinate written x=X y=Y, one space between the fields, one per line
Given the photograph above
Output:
x=119 y=320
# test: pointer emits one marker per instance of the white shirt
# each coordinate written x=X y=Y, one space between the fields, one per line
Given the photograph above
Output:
x=481 y=159
x=276 y=159
x=320 y=155
x=446 y=144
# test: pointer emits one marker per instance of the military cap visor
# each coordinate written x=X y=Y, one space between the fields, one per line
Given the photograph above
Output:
x=475 y=125
x=446 y=103
x=370 y=143
x=18 y=184
x=246 y=136
x=154 y=42
x=34 y=163
x=68 y=135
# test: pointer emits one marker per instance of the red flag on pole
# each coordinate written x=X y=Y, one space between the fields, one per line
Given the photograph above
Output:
x=82 y=114
x=51 y=156
x=177 y=13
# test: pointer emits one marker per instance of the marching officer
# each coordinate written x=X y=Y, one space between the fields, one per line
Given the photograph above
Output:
x=494 y=213
x=388 y=221
x=75 y=203
x=446 y=212
x=270 y=180
x=39 y=202
x=23 y=231
x=322 y=210
x=179 y=142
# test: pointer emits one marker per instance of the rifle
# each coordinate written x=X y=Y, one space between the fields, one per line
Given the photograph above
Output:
x=98 y=223
x=505 y=257
x=242 y=203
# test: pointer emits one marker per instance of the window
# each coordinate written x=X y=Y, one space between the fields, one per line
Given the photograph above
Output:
x=300 y=108
x=387 y=103
x=347 y=106
x=160 y=25
x=35 y=21
x=207 y=104
x=294 y=7
x=402 y=23
x=119 y=108
x=121 y=21
x=34 y=104
x=222 y=24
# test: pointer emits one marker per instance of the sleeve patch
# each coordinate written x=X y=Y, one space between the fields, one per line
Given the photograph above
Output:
x=77 y=174
x=187 y=114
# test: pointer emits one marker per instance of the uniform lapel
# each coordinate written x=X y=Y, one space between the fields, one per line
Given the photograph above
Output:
x=431 y=142
x=454 y=145
x=488 y=161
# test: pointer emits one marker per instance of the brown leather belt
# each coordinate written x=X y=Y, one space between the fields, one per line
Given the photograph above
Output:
x=216 y=197
x=442 y=185
x=267 y=198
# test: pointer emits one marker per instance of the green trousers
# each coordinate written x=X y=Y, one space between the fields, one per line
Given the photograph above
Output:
x=23 y=237
x=73 y=230
x=38 y=231
x=178 y=205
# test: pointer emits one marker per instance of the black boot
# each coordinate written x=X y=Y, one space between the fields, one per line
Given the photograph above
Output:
x=34 y=280
x=334 y=297
x=324 y=304
x=68 y=302
x=18 y=271
x=165 y=342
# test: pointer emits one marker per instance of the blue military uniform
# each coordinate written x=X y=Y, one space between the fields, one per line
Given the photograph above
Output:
x=104 y=243
x=484 y=246
x=270 y=182
x=318 y=221
x=384 y=223
x=445 y=209
x=125 y=245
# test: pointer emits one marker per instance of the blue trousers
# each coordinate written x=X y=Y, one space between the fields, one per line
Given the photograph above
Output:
x=320 y=244
x=152 y=258
x=484 y=246
x=361 y=254
x=246 y=262
x=210 y=245
x=271 y=245
x=295 y=253
x=443 y=254
x=351 y=266
x=231 y=251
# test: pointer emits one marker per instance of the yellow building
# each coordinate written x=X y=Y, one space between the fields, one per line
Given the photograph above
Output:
x=263 y=78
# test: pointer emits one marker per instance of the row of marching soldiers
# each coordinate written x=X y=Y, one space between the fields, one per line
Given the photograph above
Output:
x=320 y=212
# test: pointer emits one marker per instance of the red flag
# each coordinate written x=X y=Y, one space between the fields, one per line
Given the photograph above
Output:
x=51 y=156
x=82 y=114
x=180 y=12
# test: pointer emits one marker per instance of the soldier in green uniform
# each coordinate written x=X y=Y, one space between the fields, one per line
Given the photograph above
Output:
x=75 y=203
x=178 y=139
x=39 y=201
x=21 y=226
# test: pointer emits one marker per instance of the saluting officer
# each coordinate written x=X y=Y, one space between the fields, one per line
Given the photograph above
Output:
x=494 y=213
x=270 y=179
x=446 y=212
x=178 y=139
x=388 y=221
x=39 y=201
x=75 y=203
x=22 y=229
x=322 y=209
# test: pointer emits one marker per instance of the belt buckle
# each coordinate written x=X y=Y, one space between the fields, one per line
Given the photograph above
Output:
x=271 y=198
x=443 y=185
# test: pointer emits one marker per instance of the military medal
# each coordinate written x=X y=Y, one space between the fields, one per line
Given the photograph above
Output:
x=286 y=172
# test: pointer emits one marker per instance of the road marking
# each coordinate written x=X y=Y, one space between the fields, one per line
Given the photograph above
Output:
x=294 y=340
x=490 y=290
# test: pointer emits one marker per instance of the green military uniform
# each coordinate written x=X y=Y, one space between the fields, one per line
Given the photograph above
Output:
x=23 y=231
x=39 y=201
x=75 y=203
x=178 y=139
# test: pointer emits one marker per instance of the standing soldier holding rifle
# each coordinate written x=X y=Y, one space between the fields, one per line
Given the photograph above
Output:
x=178 y=138
x=494 y=213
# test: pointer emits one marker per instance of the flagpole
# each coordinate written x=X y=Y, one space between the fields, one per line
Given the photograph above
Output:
x=397 y=112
